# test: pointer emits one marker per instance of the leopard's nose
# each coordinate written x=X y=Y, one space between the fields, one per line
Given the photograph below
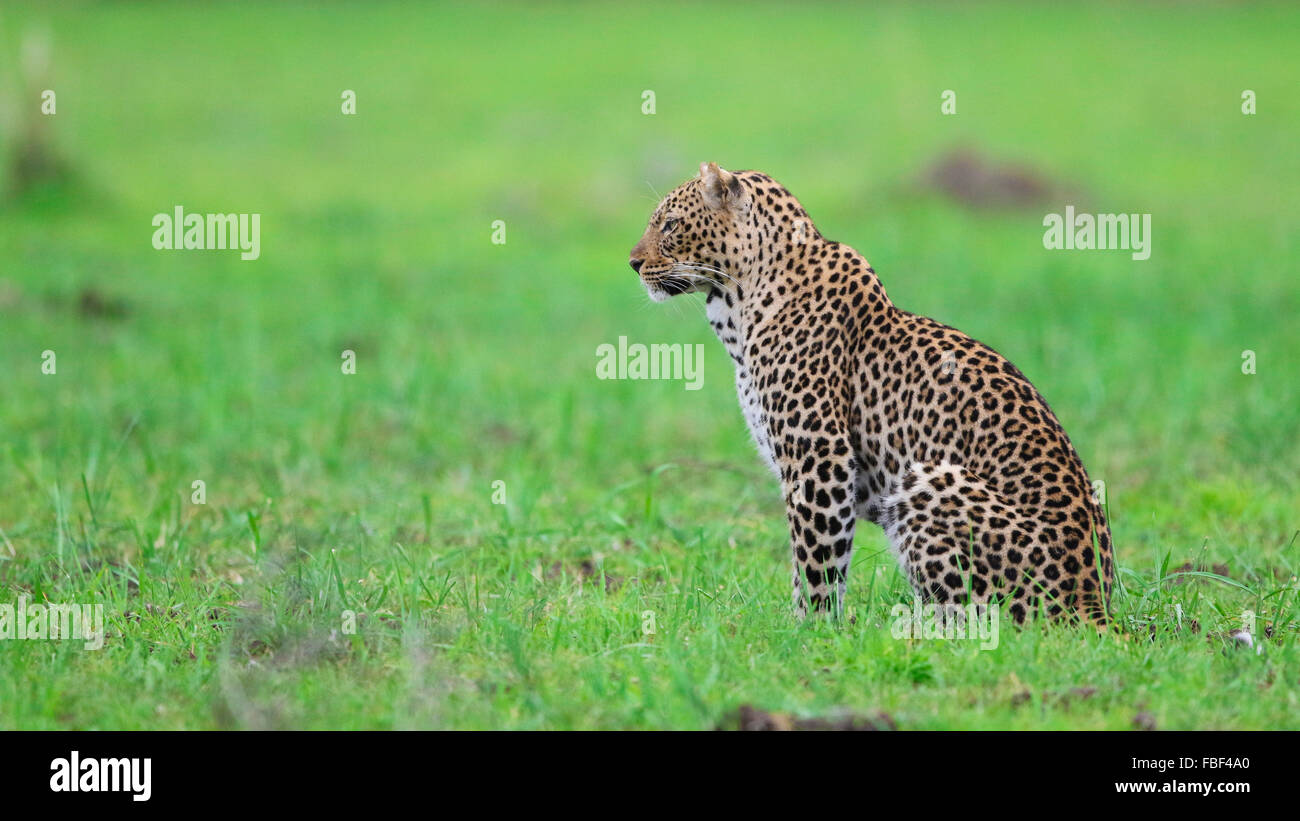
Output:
x=636 y=264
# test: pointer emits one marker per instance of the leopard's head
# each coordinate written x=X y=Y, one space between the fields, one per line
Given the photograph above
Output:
x=697 y=238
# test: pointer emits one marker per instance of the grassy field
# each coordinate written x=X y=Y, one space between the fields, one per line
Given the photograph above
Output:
x=626 y=502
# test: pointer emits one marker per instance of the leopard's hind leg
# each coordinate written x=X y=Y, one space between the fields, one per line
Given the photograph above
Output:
x=961 y=542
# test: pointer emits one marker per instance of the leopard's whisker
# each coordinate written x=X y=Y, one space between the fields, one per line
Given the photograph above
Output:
x=686 y=276
x=691 y=270
x=699 y=266
x=729 y=277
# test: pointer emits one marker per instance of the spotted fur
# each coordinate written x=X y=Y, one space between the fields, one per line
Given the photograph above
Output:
x=866 y=411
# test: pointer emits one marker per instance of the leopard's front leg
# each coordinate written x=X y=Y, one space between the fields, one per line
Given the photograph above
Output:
x=817 y=479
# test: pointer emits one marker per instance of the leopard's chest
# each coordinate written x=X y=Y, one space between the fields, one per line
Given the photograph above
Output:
x=729 y=325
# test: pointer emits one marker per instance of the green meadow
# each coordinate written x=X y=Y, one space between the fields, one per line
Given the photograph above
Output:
x=474 y=531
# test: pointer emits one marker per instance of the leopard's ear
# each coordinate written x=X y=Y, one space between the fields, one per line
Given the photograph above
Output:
x=721 y=189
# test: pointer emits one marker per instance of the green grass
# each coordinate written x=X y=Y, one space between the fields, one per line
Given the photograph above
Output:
x=476 y=362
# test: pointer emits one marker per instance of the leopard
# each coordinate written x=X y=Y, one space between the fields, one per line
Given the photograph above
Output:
x=865 y=411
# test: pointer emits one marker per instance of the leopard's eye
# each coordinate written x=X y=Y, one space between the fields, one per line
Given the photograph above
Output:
x=669 y=225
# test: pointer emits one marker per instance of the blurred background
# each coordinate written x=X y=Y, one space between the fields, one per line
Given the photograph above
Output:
x=475 y=361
